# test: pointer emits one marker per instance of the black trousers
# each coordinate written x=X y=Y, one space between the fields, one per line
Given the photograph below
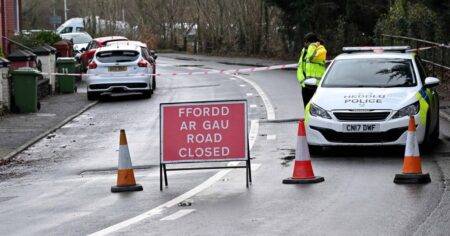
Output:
x=307 y=93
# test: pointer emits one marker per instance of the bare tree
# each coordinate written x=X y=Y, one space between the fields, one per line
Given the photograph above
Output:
x=215 y=26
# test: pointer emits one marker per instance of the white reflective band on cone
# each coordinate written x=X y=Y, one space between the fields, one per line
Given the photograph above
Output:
x=124 y=157
x=412 y=147
x=302 y=152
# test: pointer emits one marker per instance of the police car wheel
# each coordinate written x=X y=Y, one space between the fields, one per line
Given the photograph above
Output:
x=434 y=136
x=431 y=136
x=314 y=149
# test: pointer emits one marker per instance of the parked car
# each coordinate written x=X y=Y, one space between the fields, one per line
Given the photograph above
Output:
x=90 y=49
x=120 y=70
x=150 y=54
x=80 y=40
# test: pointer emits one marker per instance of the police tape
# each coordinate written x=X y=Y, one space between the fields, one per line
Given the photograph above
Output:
x=207 y=72
x=211 y=71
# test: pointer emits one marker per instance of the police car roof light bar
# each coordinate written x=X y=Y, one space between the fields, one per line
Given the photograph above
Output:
x=376 y=49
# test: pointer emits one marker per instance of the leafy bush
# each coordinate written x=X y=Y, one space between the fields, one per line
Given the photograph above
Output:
x=37 y=39
x=47 y=37
x=410 y=19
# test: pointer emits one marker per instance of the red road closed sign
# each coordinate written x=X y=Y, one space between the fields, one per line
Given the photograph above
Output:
x=204 y=131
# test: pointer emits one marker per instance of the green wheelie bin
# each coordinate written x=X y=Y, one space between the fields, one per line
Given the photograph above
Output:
x=66 y=83
x=24 y=89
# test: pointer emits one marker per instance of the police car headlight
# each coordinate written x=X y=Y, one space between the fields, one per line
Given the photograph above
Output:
x=408 y=110
x=315 y=110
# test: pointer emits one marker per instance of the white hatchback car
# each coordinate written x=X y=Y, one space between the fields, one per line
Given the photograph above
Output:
x=124 y=69
x=366 y=97
x=150 y=54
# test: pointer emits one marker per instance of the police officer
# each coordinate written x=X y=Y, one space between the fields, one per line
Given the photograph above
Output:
x=311 y=65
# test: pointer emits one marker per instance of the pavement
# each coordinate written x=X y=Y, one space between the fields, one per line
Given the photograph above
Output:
x=18 y=131
x=61 y=184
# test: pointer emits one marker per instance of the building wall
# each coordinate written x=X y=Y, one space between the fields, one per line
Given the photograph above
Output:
x=9 y=19
x=1 y=24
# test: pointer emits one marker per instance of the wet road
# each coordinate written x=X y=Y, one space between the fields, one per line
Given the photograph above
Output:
x=60 y=186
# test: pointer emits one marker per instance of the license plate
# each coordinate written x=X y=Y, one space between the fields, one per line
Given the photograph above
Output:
x=117 y=68
x=361 y=128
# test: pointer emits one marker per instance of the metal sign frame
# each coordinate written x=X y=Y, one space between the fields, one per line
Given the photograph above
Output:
x=163 y=165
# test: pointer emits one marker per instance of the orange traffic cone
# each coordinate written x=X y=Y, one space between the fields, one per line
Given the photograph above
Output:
x=303 y=171
x=125 y=173
x=412 y=163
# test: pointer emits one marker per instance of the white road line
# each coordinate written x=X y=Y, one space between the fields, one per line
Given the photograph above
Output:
x=253 y=134
x=271 y=137
x=158 y=210
x=255 y=167
x=178 y=214
x=162 y=65
x=443 y=115
x=242 y=85
x=269 y=107
x=249 y=94
x=232 y=78
x=253 y=106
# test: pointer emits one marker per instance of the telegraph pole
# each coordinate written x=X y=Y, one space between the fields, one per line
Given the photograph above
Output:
x=65 y=10
x=54 y=12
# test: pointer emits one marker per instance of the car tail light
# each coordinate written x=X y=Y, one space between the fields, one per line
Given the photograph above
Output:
x=92 y=65
x=142 y=63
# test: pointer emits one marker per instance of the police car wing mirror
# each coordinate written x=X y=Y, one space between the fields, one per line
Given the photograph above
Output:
x=431 y=82
x=311 y=82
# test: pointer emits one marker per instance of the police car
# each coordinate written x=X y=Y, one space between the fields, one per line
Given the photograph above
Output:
x=366 y=97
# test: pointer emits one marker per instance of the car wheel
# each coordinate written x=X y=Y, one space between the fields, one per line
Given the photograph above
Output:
x=435 y=134
x=91 y=96
x=431 y=136
x=148 y=93
x=153 y=83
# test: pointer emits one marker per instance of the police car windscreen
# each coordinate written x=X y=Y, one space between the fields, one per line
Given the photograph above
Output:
x=370 y=73
x=117 y=56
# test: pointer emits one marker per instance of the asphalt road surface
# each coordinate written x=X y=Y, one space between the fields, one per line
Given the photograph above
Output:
x=61 y=185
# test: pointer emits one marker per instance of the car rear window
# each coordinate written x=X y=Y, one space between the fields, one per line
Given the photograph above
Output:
x=370 y=73
x=117 y=56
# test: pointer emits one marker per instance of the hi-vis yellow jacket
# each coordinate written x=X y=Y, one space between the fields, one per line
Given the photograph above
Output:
x=311 y=63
